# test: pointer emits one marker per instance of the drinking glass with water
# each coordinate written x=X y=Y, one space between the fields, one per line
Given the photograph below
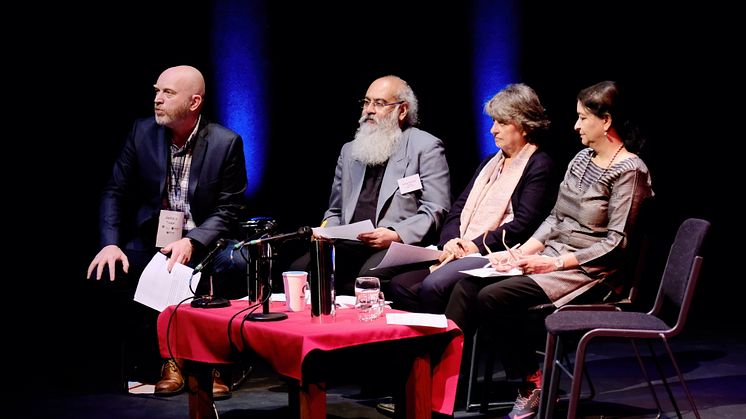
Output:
x=369 y=300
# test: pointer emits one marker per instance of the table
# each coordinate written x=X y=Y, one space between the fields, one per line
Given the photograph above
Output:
x=301 y=346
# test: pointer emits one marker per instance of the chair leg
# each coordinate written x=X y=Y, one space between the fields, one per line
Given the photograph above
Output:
x=245 y=373
x=486 y=355
x=564 y=368
x=681 y=377
x=550 y=373
x=659 y=368
x=577 y=375
x=489 y=370
x=646 y=374
x=472 y=372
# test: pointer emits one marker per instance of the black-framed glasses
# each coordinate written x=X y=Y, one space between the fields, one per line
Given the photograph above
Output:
x=378 y=104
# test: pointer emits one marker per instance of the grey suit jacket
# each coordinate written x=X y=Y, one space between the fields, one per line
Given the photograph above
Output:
x=416 y=216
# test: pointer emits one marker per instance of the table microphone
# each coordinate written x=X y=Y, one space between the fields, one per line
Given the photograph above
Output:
x=221 y=243
x=210 y=301
x=302 y=233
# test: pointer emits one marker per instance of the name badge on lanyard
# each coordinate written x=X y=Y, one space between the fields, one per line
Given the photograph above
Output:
x=170 y=227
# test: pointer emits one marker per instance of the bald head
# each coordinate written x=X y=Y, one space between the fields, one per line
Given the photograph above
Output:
x=393 y=89
x=187 y=78
x=387 y=86
x=179 y=92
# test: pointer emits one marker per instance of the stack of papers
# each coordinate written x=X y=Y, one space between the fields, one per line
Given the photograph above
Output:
x=418 y=319
x=404 y=254
x=158 y=288
x=347 y=231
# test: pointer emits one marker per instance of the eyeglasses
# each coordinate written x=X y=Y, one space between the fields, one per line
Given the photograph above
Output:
x=378 y=104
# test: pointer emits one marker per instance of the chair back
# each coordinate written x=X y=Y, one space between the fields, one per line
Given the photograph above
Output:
x=680 y=274
x=635 y=259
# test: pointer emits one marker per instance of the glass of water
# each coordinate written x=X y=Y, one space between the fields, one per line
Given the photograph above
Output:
x=369 y=300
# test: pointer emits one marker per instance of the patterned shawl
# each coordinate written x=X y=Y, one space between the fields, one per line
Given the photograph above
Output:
x=489 y=198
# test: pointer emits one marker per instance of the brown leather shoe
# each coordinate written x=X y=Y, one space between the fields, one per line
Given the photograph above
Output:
x=172 y=382
x=220 y=390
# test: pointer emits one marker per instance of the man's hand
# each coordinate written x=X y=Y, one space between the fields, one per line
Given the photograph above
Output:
x=181 y=252
x=108 y=256
x=380 y=238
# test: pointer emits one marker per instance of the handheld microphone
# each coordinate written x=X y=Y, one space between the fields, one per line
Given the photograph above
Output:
x=302 y=233
x=221 y=243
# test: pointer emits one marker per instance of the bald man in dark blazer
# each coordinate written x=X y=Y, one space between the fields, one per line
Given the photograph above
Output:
x=174 y=161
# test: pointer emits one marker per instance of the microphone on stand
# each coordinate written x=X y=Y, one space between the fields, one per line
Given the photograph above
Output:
x=302 y=233
x=266 y=263
x=210 y=301
x=207 y=259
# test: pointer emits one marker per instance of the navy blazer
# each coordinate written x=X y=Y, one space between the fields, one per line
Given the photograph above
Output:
x=532 y=199
x=133 y=197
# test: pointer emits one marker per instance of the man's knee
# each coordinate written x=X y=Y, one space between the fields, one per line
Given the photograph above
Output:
x=231 y=259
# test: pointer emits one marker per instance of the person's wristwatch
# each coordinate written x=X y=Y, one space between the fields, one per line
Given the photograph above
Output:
x=559 y=263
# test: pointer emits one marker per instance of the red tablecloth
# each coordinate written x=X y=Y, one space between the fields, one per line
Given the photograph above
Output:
x=202 y=335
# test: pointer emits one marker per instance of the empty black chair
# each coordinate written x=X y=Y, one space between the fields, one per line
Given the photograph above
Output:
x=665 y=320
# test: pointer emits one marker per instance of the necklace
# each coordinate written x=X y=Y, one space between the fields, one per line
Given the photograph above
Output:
x=606 y=169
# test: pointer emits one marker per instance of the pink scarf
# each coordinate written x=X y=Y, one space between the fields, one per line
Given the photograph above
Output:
x=488 y=200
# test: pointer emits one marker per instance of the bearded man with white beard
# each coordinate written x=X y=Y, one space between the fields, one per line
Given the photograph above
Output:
x=393 y=174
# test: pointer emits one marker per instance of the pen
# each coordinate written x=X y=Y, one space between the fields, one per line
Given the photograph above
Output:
x=510 y=251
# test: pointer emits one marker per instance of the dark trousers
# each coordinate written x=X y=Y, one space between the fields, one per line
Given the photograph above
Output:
x=418 y=290
x=131 y=327
x=502 y=307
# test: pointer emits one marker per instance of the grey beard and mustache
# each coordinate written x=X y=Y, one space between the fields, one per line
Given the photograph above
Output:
x=375 y=143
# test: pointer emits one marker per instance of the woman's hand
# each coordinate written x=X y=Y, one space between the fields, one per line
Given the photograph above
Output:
x=460 y=248
x=502 y=261
x=536 y=264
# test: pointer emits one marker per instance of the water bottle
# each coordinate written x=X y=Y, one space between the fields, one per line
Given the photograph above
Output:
x=321 y=279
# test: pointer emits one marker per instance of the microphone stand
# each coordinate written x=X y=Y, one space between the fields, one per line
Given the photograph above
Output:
x=210 y=301
x=265 y=275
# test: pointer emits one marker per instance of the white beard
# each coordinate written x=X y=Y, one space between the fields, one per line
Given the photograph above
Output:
x=375 y=143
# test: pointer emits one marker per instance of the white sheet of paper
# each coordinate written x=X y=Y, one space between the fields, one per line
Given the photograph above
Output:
x=276 y=296
x=345 y=301
x=487 y=272
x=402 y=254
x=136 y=387
x=348 y=301
x=417 y=319
x=342 y=301
x=159 y=289
x=347 y=231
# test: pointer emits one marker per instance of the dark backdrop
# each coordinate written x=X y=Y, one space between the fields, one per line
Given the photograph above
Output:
x=86 y=79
